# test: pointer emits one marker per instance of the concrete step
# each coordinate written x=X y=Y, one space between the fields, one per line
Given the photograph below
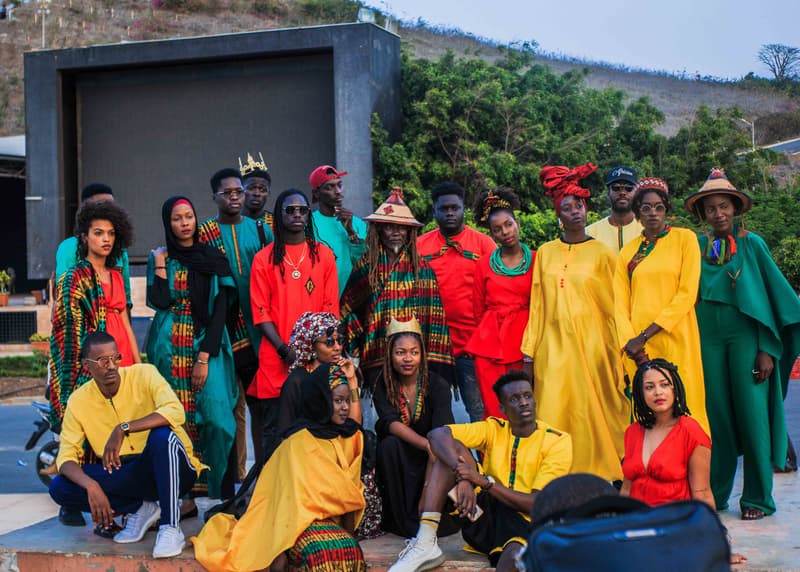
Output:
x=51 y=546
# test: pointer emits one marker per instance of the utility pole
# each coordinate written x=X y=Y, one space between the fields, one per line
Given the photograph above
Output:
x=752 y=132
x=43 y=10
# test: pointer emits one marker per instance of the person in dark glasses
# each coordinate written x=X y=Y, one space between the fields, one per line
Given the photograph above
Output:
x=620 y=227
x=293 y=275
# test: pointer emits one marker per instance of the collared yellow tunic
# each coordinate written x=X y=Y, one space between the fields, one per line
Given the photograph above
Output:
x=663 y=289
x=307 y=479
x=578 y=377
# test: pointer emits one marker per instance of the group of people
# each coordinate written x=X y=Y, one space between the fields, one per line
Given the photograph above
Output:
x=310 y=319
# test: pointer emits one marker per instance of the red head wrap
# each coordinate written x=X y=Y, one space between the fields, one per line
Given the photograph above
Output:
x=562 y=181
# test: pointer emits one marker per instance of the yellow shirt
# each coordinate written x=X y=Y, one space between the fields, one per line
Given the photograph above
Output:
x=540 y=457
x=91 y=416
x=612 y=236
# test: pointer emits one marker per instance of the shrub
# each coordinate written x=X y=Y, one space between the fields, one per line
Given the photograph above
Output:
x=787 y=257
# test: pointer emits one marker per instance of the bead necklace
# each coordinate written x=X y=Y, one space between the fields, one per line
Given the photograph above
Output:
x=499 y=267
x=404 y=410
x=296 y=272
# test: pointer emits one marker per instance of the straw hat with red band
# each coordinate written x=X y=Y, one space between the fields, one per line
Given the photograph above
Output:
x=394 y=211
x=717 y=183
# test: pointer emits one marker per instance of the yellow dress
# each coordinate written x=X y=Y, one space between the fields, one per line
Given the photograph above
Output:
x=578 y=377
x=663 y=289
x=307 y=479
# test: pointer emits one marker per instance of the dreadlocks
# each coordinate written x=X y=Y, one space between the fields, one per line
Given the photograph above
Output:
x=374 y=248
x=393 y=391
x=279 y=248
x=644 y=415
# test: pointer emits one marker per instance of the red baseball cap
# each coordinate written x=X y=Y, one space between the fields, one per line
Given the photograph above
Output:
x=323 y=174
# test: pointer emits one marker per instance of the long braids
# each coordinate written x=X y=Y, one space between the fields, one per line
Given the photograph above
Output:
x=279 y=232
x=374 y=248
x=391 y=382
x=644 y=415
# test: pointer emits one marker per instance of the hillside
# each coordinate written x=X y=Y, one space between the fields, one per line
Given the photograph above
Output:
x=77 y=23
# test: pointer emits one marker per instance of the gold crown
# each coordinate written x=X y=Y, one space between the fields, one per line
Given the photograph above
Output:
x=407 y=326
x=252 y=165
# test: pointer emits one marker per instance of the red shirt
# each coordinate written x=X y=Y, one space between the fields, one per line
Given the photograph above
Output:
x=455 y=273
x=666 y=477
x=283 y=299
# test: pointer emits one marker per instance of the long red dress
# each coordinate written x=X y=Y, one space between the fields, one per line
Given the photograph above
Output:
x=666 y=477
x=116 y=304
x=502 y=307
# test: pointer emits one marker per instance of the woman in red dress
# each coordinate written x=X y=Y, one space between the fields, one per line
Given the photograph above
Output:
x=667 y=453
x=501 y=294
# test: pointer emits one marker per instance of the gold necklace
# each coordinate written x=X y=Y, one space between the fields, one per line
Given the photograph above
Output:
x=296 y=272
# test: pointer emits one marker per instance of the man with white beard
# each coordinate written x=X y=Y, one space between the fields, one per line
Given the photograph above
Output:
x=393 y=281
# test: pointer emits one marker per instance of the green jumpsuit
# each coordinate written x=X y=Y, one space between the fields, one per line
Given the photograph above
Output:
x=746 y=306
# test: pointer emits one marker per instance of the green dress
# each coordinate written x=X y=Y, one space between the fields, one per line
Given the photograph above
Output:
x=746 y=306
x=172 y=346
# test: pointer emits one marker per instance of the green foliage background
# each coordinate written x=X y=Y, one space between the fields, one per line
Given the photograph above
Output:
x=490 y=124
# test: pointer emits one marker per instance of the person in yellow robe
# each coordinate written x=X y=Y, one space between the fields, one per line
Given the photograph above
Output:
x=308 y=498
x=655 y=289
x=578 y=377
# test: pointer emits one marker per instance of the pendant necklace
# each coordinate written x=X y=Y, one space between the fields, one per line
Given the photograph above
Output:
x=296 y=272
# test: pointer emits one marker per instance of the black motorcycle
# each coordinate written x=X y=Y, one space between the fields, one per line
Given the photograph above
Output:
x=46 y=457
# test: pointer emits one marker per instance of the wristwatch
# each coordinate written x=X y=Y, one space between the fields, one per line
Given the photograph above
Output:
x=126 y=428
x=490 y=480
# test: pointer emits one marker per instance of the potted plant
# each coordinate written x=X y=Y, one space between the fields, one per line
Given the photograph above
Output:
x=40 y=343
x=5 y=282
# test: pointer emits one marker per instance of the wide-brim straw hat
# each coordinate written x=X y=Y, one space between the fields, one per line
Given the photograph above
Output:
x=394 y=211
x=717 y=183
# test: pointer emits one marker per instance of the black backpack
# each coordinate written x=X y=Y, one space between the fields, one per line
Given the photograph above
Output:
x=613 y=534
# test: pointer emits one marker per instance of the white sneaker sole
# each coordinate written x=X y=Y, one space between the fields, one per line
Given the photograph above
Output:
x=431 y=564
x=150 y=522
x=171 y=554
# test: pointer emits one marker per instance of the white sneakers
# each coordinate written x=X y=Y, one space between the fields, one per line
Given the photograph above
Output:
x=169 y=542
x=418 y=556
x=138 y=523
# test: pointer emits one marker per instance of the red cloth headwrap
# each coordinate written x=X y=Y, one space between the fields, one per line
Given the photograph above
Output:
x=562 y=181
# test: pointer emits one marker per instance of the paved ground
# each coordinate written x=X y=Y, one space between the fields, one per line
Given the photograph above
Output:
x=770 y=544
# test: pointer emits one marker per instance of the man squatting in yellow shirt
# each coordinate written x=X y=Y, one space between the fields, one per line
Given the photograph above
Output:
x=133 y=422
x=520 y=456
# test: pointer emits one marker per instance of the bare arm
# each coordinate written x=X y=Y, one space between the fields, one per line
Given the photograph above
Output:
x=522 y=502
x=269 y=331
x=126 y=321
x=407 y=434
x=625 y=490
x=113 y=447
x=700 y=476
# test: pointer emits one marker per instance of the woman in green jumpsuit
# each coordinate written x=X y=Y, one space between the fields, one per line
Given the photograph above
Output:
x=749 y=320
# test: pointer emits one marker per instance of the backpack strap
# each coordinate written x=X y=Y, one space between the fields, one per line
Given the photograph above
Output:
x=262 y=235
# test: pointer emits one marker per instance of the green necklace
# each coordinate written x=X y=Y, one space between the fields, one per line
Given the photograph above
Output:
x=498 y=267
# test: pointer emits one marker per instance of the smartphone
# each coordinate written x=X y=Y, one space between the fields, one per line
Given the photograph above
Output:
x=477 y=511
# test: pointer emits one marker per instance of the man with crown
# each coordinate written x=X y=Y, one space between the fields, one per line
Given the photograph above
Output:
x=334 y=224
x=392 y=280
x=239 y=239
x=256 y=181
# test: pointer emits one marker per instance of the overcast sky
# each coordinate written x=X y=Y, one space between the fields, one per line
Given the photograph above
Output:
x=710 y=37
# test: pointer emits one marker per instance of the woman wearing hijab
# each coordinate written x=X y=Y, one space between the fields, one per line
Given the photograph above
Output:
x=187 y=286
x=308 y=498
x=579 y=385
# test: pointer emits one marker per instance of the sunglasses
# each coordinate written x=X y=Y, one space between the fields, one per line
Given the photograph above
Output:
x=331 y=341
x=106 y=361
x=230 y=193
x=618 y=187
x=659 y=208
x=296 y=209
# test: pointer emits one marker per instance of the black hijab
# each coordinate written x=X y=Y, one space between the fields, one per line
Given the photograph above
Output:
x=318 y=408
x=202 y=260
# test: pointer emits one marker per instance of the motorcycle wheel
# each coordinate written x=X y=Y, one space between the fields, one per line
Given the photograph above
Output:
x=45 y=460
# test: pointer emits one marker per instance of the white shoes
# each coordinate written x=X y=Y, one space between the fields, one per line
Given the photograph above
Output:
x=169 y=542
x=418 y=556
x=138 y=523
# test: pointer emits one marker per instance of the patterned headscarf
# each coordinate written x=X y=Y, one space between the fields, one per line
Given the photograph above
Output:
x=562 y=181
x=309 y=327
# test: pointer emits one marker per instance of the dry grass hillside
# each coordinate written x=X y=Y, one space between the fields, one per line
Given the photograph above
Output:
x=76 y=23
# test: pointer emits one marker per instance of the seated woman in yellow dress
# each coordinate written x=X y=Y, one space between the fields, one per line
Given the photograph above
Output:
x=295 y=518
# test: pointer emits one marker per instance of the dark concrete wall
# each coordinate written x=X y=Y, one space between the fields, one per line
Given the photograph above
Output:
x=68 y=147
